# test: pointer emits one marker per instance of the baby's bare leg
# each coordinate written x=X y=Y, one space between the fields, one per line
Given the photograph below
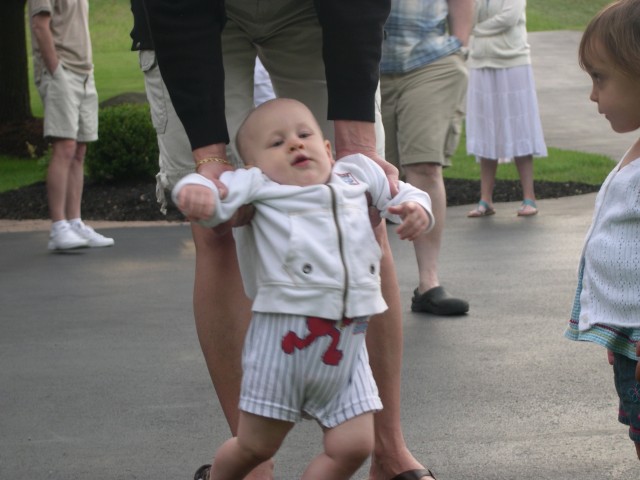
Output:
x=346 y=447
x=259 y=438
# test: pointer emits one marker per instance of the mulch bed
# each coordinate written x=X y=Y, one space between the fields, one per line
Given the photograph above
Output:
x=136 y=201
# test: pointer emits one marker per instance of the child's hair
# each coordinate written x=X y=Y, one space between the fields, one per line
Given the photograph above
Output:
x=240 y=132
x=615 y=30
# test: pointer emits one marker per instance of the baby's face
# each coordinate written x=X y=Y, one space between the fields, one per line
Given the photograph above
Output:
x=283 y=139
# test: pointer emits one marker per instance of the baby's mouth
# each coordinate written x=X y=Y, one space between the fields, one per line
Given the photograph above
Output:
x=300 y=159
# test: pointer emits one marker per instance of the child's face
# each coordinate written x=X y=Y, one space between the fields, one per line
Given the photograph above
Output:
x=283 y=139
x=616 y=93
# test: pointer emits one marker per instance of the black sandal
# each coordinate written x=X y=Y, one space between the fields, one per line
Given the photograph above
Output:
x=415 y=474
x=202 y=473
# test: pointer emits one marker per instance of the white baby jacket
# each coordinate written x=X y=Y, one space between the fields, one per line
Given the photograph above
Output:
x=311 y=250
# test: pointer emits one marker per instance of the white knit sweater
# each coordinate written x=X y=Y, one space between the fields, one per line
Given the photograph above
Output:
x=611 y=279
x=499 y=36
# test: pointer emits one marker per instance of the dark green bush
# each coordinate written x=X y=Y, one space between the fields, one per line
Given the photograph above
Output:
x=127 y=148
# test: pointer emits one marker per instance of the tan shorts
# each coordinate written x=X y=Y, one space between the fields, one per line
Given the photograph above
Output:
x=70 y=105
x=175 y=159
x=422 y=112
x=290 y=48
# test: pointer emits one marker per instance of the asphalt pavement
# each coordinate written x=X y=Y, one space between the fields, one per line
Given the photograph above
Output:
x=102 y=377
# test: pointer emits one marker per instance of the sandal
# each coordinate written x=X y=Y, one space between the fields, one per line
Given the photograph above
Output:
x=483 y=209
x=417 y=474
x=203 y=472
x=528 y=208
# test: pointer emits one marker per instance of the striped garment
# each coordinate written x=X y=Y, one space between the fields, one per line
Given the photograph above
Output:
x=297 y=367
x=415 y=35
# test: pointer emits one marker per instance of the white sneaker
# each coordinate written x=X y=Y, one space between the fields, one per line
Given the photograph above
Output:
x=93 y=238
x=64 y=238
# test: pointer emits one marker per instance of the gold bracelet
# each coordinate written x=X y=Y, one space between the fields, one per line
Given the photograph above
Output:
x=212 y=160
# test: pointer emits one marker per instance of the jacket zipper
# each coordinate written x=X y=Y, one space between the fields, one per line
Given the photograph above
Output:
x=334 y=208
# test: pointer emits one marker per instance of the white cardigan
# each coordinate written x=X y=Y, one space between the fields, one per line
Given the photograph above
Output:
x=611 y=277
x=499 y=36
x=311 y=250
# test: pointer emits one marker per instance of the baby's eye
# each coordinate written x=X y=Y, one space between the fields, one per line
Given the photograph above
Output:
x=276 y=143
x=305 y=134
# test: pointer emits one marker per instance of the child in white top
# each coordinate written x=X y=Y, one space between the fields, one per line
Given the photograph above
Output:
x=310 y=263
x=607 y=303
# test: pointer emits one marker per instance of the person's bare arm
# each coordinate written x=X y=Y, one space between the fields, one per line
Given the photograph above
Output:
x=212 y=170
x=360 y=137
x=461 y=19
x=40 y=25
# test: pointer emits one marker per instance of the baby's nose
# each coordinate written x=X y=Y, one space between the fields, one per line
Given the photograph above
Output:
x=295 y=146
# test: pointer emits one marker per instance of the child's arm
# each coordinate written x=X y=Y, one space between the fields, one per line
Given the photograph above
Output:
x=195 y=197
x=415 y=220
x=507 y=18
x=196 y=202
x=212 y=203
x=410 y=206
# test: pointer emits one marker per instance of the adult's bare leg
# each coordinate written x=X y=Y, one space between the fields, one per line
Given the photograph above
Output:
x=384 y=341
x=222 y=313
x=488 y=168
x=428 y=177
x=62 y=157
x=525 y=170
x=75 y=182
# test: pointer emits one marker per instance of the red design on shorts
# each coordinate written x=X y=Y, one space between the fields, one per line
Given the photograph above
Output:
x=318 y=327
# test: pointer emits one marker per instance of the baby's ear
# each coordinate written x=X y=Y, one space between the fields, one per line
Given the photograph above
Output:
x=327 y=146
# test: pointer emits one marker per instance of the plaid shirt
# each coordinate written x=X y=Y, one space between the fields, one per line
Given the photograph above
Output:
x=416 y=35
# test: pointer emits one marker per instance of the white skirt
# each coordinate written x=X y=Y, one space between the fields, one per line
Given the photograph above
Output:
x=503 y=120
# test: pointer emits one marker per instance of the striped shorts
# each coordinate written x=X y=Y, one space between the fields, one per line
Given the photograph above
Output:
x=298 y=367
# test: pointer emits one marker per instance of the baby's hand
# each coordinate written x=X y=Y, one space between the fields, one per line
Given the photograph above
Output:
x=196 y=202
x=414 y=220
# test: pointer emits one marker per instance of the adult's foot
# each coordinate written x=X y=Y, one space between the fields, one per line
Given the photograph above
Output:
x=528 y=208
x=264 y=471
x=438 y=302
x=386 y=467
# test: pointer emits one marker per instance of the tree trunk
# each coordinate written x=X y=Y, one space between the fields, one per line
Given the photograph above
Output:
x=15 y=105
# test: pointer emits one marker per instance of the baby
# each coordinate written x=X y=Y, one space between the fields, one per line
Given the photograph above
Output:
x=310 y=263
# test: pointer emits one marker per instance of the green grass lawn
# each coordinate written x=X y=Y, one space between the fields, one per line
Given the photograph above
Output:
x=116 y=72
x=544 y=15
x=17 y=172
x=116 y=66
x=559 y=166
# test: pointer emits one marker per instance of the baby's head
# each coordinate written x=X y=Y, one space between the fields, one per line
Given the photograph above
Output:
x=284 y=140
x=613 y=35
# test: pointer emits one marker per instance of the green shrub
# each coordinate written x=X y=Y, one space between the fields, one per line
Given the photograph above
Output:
x=127 y=148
